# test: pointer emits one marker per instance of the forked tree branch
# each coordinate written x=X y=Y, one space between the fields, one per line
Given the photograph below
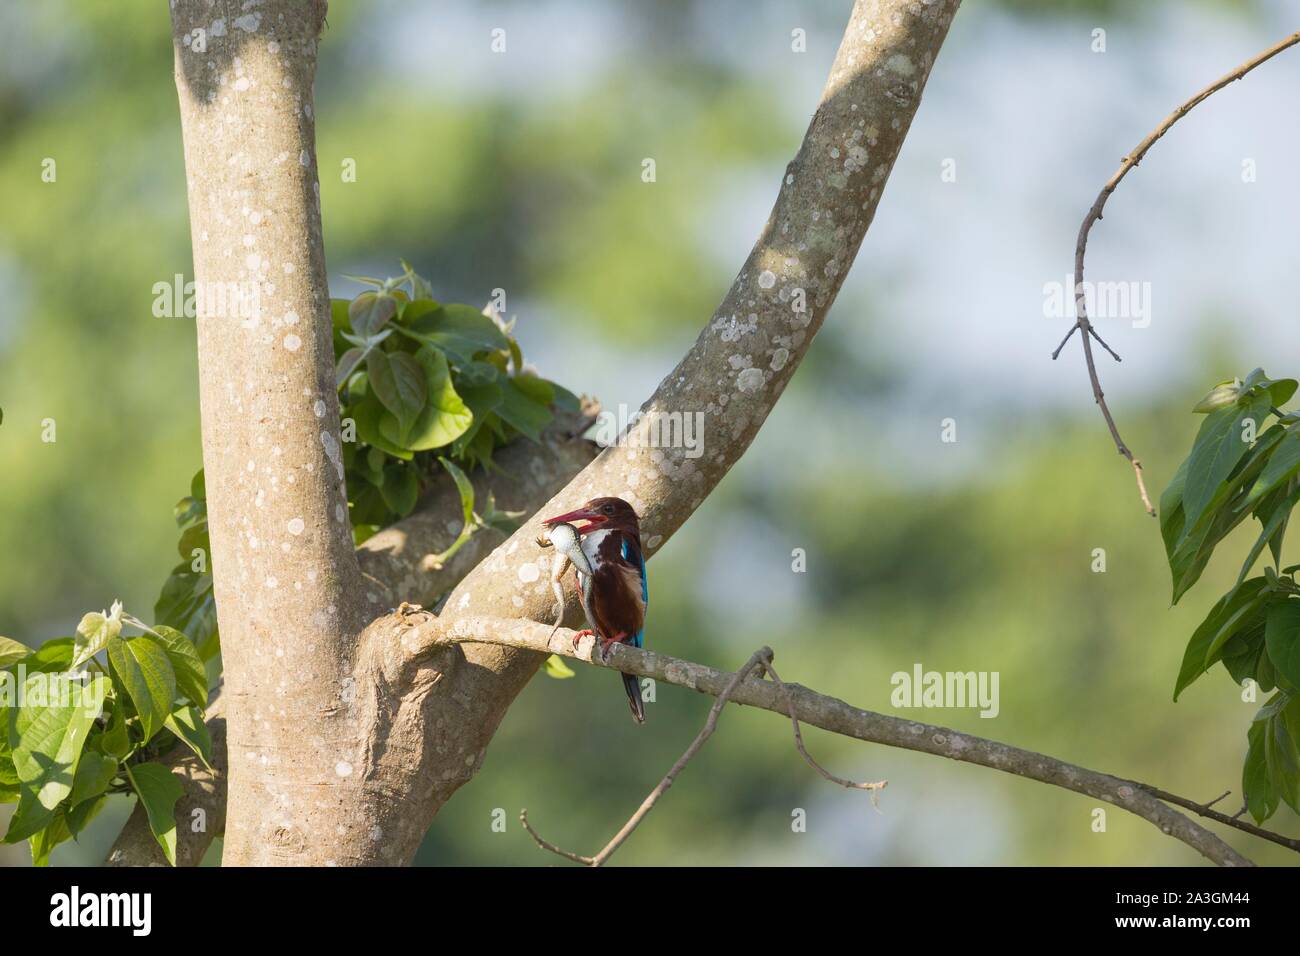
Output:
x=829 y=714
x=393 y=742
x=728 y=382
x=1095 y=213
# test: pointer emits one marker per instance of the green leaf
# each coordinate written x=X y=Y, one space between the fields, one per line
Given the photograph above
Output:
x=445 y=417
x=1287 y=732
x=46 y=839
x=53 y=656
x=475 y=374
x=565 y=399
x=370 y=416
x=418 y=308
x=482 y=401
x=1216 y=451
x=1274 y=518
x=1280 y=391
x=187 y=665
x=1282 y=638
x=94 y=632
x=11 y=652
x=368 y=507
x=1225 y=393
x=555 y=667
x=370 y=311
x=1261 y=797
x=1189 y=551
x=398 y=381
x=504 y=521
x=1283 y=761
x=464 y=488
x=47 y=741
x=116 y=741
x=158 y=789
x=459 y=330
x=8 y=775
x=520 y=410
x=347 y=364
x=536 y=388
x=1283 y=464
x=1171 y=510
x=143 y=669
x=79 y=817
x=401 y=488
x=186 y=603
x=94 y=773
x=371 y=465
x=1229 y=615
x=366 y=280
x=189 y=509
x=420 y=288
x=194 y=539
x=1241 y=654
x=187 y=724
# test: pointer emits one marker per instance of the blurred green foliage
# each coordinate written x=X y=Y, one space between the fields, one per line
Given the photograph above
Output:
x=984 y=564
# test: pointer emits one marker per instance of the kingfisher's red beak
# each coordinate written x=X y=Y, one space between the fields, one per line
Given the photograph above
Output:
x=573 y=517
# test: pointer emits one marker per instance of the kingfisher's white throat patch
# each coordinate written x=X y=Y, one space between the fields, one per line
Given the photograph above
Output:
x=591 y=546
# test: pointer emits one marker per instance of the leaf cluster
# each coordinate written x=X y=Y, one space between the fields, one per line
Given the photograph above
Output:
x=84 y=717
x=1238 y=469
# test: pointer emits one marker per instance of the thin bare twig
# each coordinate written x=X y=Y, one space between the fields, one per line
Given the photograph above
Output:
x=1226 y=793
x=1095 y=214
x=547 y=845
x=758 y=659
x=1232 y=821
x=798 y=739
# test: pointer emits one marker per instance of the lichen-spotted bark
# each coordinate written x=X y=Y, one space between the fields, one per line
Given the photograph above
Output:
x=749 y=350
x=286 y=576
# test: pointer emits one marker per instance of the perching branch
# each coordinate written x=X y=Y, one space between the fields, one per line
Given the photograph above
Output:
x=1094 y=214
x=830 y=714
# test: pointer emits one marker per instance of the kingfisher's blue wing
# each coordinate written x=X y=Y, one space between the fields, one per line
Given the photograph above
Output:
x=632 y=555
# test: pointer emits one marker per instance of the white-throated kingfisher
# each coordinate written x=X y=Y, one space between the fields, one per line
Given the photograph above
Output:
x=615 y=599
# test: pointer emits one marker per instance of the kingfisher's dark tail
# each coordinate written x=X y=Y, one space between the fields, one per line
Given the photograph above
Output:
x=633 y=687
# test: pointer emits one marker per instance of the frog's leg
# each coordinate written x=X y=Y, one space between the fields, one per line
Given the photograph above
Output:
x=561 y=563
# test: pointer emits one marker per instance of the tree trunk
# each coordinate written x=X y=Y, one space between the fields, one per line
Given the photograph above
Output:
x=286 y=576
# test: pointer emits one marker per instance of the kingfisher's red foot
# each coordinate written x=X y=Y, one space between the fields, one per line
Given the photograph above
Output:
x=579 y=635
x=604 y=648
